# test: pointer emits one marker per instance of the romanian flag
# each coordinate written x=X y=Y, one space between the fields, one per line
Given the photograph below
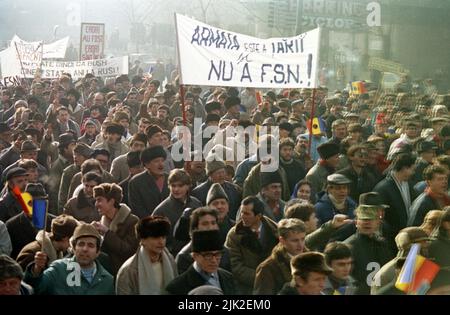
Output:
x=417 y=272
x=24 y=200
x=39 y=213
x=358 y=88
x=318 y=126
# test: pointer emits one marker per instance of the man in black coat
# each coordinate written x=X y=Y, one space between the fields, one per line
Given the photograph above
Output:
x=9 y=205
x=20 y=227
x=135 y=167
x=370 y=252
x=149 y=188
x=396 y=192
x=207 y=250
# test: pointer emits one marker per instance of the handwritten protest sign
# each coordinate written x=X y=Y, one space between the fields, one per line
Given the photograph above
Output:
x=10 y=81
x=92 y=41
x=215 y=57
x=77 y=69
x=55 y=50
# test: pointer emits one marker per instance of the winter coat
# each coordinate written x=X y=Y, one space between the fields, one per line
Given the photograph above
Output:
x=368 y=253
x=317 y=176
x=234 y=196
x=53 y=281
x=420 y=208
x=191 y=279
x=127 y=282
x=252 y=184
x=325 y=209
x=22 y=231
x=82 y=208
x=120 y=241
x=144 y=195
x=396 y=216
x=5 y=240
x=243 y=169
x=54 y=182
x=294 y=172
x=42 y=243
x=172 y=209
x=360 y=184
x=273 y=272
x=63 y=192
x=119 y=168
x=115 y=151
x=247 y=251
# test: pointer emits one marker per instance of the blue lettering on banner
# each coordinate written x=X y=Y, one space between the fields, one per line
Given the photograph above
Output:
x=204 y=36
x=274 y=73
x=246 y=73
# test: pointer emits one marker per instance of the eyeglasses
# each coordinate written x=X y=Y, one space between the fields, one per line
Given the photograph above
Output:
x=211 y=255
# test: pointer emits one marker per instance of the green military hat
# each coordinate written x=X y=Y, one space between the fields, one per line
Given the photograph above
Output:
x=367 y=213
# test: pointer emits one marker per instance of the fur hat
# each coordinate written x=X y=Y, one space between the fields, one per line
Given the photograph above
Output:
x=408 y=236
x=63 y=226
x=83 y=149
x=206 y=241
x=210 y=106
x=65 y=139
x=153 y=226
x=152 y=153
x=109 y=191
x=36 y=190
x=9 y=268
x=268 y=178
x=115 y=128
x=311 y=261
x=213 y=165
x=134 y=159
x=216 y=192
x=327 y=150
x=151 y=130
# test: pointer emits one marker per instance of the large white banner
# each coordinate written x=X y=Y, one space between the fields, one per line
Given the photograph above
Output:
x=55 y=50
x=212 y=56
x=92 y=41
x=53 y=69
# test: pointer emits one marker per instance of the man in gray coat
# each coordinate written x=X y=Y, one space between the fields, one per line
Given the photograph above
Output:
x=329 y=159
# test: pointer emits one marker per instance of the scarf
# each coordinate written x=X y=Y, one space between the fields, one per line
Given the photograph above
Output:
x=338 y=205
x=147 y=285
x=442 y=200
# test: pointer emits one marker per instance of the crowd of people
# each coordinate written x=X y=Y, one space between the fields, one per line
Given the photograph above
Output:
x=125 y=216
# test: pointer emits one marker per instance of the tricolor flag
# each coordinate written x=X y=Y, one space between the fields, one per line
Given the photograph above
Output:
x=417 y=272
x=358 y=88
x=39 y=213
x=318 y=126
x=24 y=204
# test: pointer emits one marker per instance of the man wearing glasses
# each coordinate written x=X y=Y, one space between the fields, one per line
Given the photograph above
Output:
x=207 y=249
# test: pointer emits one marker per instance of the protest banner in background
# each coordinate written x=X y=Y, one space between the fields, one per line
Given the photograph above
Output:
x=92 y=41
x=215 y=57
x=55 y=50
x=10 y=81
x=54 y=69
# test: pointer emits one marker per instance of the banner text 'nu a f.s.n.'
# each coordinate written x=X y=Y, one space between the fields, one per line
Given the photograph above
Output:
x=216 y=57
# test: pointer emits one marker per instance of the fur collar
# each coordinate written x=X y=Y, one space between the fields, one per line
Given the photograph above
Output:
x=120 y=217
